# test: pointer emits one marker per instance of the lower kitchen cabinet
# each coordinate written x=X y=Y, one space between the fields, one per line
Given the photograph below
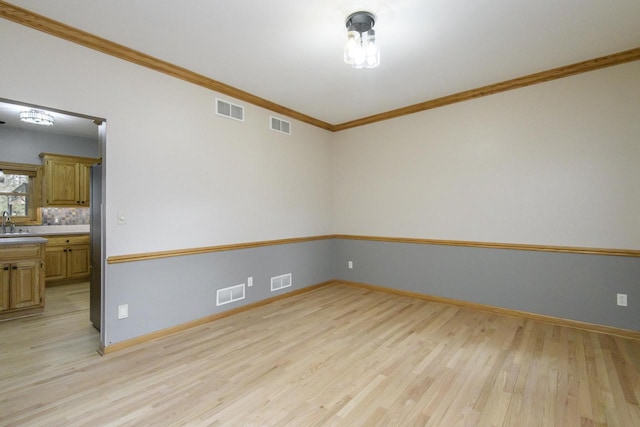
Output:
x=21 y=279
x=67 y=258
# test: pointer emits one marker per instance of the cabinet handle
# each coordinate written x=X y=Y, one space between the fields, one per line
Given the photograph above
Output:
x=67 y=241
x=69 y=250
x=64 y=250
x=6 y=268
x=15 y=267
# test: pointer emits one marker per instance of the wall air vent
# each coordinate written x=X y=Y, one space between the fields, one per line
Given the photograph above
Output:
x=227 y=109
x=230 y=294
x=280 y=125
x=279 y=282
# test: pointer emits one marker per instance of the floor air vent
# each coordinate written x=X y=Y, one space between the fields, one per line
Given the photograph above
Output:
x=279 y=282
x=229 y=110
x=280 y=125
x=230 y=294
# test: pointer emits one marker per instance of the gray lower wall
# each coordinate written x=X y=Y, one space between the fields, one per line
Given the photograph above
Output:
x=166 y=292
x=571 y=286
x=25 y=146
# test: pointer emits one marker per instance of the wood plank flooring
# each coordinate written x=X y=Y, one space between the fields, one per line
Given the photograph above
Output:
x=336 y=356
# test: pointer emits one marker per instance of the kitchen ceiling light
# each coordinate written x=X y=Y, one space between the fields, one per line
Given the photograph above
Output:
x=361 y=49
x=37 y=117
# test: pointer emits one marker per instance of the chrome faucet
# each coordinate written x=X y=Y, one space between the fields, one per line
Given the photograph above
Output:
x=5 y=219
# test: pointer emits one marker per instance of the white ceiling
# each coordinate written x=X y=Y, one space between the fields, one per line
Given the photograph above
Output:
x=290 y=51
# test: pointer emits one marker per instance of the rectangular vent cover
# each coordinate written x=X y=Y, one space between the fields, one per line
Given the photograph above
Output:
x=230 y=110
x=230 y=294
x=280 y=125
x=279 y=282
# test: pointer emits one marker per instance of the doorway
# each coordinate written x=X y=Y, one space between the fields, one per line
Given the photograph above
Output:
x=71 y=134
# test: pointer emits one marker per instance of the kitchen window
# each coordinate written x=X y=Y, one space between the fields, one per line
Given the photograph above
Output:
x=20 y=192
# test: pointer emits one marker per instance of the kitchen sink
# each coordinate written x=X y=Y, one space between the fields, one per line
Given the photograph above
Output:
x=18 y=233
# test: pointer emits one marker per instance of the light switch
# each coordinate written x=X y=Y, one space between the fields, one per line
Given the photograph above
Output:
x=123 y=311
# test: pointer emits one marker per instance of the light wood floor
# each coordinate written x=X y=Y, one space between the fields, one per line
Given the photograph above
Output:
x=338 y=356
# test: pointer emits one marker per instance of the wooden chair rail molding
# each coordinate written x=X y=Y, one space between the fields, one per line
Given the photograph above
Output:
x=117 y=259
x=512 y=246
x=66 y=32
x=221 y=248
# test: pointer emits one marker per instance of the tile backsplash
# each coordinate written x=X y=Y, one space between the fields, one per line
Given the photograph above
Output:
x=65 y=216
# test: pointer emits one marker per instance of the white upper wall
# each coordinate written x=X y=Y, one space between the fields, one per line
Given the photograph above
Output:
x=556 y=163
x=183 y=176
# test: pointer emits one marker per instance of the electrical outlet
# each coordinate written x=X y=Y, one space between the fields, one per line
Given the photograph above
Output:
x=350 y=264
x=123 y=311
x=622 y=300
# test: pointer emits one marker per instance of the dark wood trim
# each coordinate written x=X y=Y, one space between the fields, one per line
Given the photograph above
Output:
x=591 y=327
x=532 y=79
x=513 y=246
x=66 y=32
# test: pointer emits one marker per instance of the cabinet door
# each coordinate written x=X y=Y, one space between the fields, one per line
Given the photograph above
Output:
x=78 y=261
x=62 y=179
x=84 y=184
x=5 y=276
x=25 y=284
x=55 y=262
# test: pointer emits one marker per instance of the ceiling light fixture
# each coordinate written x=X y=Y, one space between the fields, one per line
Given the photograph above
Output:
x=361 y=49
x=37 y=117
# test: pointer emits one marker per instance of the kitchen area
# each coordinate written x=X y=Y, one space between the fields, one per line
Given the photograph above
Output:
x=50 y=233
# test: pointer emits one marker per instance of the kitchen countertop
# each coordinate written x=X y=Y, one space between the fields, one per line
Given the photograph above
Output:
x=48 y=230
x=41 y=232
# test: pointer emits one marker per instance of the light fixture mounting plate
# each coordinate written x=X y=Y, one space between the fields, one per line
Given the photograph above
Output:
x=361 y=21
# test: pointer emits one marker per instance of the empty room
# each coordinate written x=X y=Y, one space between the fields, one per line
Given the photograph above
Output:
x=306 y=213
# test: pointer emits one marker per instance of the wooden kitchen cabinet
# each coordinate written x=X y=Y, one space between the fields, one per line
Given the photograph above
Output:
x=5 y=278
x=67 y=257
x=20 y=285
x=21 y=280
x=24 y=284
x=67 y=180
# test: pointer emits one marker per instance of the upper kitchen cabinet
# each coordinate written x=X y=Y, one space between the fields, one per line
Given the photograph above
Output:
x=66 y=180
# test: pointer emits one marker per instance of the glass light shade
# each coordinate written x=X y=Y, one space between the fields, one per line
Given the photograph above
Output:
x=351 y=46
x=37 y=117
x=361 y=50
x=372 y=50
